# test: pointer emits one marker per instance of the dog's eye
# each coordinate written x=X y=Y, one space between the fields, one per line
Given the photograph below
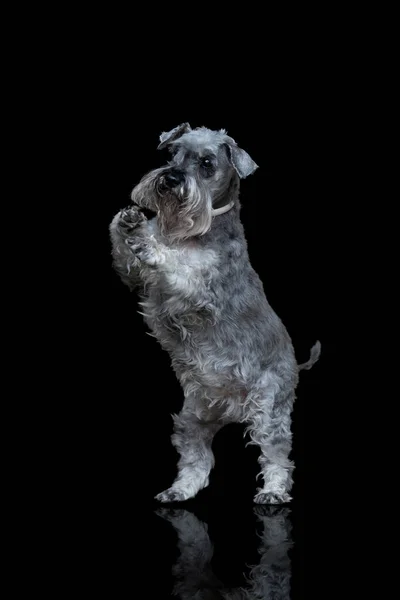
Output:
x=207 y=168
x=206 y=162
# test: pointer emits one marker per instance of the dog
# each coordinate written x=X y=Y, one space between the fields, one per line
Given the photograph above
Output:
x=181 y=245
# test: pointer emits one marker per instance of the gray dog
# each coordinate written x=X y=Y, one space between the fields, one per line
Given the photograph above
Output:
x=206 y=306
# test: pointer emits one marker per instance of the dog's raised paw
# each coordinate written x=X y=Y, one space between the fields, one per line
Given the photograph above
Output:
x=171 y=495
x=130 y=218
x=272 y=498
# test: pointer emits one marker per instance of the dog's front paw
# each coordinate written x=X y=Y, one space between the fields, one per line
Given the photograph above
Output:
x=272 y=498
x=130 y=218
x=147 y=250
x=172 y=495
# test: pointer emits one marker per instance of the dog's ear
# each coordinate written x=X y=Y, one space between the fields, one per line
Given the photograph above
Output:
x=170 y=136
x=240 y=160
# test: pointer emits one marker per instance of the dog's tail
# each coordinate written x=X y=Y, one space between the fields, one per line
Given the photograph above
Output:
x=314 y=356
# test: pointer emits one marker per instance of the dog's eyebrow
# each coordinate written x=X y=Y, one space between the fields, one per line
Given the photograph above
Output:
x=207 y=152
x=192 y=155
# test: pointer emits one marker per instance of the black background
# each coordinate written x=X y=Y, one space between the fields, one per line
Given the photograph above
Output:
x=93 y=92
x=298 y=129
x=292 y=217
x=292 y=213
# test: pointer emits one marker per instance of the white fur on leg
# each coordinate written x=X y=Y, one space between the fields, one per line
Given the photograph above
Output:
x=192 y=439
x=270 y=430
x=277 y=482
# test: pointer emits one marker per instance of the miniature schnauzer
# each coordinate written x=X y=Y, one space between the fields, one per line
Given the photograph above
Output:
x=182 y=246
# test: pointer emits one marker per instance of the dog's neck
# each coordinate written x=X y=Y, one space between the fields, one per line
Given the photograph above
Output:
x=225 y=202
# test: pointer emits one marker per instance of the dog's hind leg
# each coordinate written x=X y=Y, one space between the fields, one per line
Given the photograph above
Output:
x=270 y=430
x=192 y=438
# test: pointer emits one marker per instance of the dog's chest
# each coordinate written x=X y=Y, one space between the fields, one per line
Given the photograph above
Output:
x=177 y=305
x=173 y=315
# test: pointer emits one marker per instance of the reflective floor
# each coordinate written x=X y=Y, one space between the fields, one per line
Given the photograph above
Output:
x=195 y=550
x=233 y=556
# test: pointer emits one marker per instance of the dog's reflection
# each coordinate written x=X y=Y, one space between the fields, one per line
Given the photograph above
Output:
x=194 y=579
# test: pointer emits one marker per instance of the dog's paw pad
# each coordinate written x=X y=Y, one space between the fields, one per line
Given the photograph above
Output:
x=130 y=218
x=272 y=498
x=171 y=495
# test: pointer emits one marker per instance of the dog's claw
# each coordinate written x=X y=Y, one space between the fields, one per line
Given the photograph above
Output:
x=131 y=218
x=272 y=498
x=171 y=495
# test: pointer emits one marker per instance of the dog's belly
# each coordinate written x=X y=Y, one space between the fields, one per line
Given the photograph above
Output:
x=215 y=378
x=210 y=355
x=198 y=359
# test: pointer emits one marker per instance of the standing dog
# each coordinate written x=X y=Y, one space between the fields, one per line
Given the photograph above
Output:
x=206 y=305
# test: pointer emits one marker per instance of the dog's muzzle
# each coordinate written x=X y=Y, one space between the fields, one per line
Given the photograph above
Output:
x=170 y=180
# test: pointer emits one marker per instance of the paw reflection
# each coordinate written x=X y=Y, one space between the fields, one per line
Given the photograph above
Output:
x=194 y=578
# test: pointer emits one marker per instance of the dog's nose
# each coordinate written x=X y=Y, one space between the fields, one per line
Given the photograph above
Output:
x=173 y=178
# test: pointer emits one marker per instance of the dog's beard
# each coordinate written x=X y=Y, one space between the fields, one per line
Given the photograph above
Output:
x=181 y=214
x=186 y=213
x=145 y=193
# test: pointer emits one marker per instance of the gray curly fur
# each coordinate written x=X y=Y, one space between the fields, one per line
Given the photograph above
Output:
x=205 y=304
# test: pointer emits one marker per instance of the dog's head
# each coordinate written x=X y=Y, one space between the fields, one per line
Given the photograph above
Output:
x=199 y=179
